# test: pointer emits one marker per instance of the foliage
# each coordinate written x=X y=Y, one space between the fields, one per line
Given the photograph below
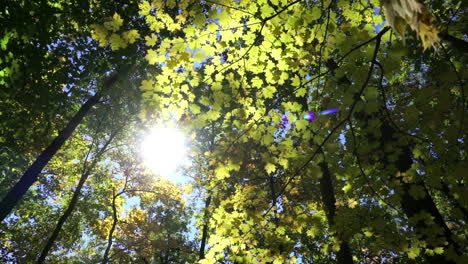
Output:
x=380 y=181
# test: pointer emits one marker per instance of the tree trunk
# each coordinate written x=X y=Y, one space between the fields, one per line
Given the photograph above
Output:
x=344 y=255
x=111 y=232
x=201 y=255
x=73 y=202
x=412 y=207
x=30 y=176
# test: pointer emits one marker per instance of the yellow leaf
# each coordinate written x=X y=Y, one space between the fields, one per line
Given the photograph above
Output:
x=269 y=91
x=336 y=247
x=195 y=109
x=280 y=230
x=270 y=168
x=301 y=92
x=352 y=203
x=151 y=41
x=267 y=10
x=415 y=14
x=302 y=124
x=131 y=35
x=267 y=139
x=147 y=85
x=145 y=8
x=284 y=163
x=151 y=56
x=221 y=172
x=315 y=14
x=347 y=188
x=413 y=253
x=439 y=250
x=100 y=34
x=117 y=42
x=115 y=23
x=199 y=56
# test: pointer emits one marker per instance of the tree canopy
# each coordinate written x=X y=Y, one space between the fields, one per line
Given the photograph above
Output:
x=324 y=131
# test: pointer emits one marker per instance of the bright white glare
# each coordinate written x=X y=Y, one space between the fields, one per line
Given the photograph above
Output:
x=164 y=150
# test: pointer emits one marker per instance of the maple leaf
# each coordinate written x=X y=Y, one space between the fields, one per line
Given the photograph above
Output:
x=315 y=13
x=352 y=203
x=413 y=253
x=115 y=23
x=267 y=10
x=269 y=167
x=152 y=56
x=146 y=85
x=400 y=13
x=269 y=91
x=131 y=35
x=151 y=41
x=145 y=8
x=117 y=42
x=100 y=34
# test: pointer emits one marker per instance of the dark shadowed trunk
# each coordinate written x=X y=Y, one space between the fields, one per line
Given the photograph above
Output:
x=344 y=255
x=30 y=176
x=73 y=202
x=412 y=207
x=115 y=219
x=201 y=255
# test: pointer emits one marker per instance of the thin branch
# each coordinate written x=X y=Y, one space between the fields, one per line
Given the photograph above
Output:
x=298 y=172
x=363 y=174
x=387 y=112
x=231 y=7
x=281 y=11
x=338 y=62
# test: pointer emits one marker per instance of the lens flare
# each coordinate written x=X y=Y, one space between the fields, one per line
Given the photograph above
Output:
x=310 y=116
x=329 y=111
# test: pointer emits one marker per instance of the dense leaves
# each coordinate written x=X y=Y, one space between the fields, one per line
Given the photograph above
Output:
x=382 y=180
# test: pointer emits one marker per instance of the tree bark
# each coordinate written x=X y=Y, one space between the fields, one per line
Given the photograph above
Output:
x=344 y=255
x=30 y=176
x=111 y=232
x=412 y=206
x=201 y=255
x=73 y=202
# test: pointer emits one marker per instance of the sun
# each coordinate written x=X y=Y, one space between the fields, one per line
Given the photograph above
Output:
x=164 y=150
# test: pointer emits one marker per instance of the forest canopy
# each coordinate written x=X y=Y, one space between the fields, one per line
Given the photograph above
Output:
x=327 y=131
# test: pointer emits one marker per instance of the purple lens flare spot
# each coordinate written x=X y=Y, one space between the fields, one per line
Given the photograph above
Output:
x=329 y=111
x=284 y=122
x=310 y=116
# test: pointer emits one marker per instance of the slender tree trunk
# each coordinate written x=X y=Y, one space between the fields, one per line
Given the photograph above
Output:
x=412 y=207
x=30 y=176
x=201 y=255
x=73 y=202
x=111 y=232
x=344 y=255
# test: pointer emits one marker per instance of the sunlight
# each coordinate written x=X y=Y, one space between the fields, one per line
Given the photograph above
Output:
x=164 y=150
